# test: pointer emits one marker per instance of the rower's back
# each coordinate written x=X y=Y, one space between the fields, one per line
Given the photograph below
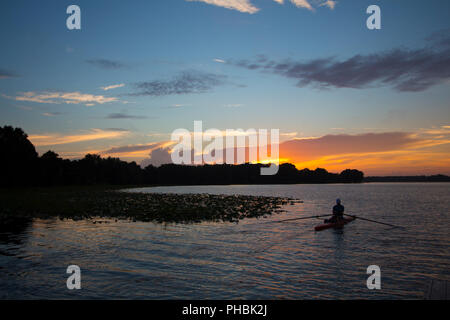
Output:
x=338 y=209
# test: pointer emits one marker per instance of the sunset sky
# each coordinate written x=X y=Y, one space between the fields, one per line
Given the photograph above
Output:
x=342 y=96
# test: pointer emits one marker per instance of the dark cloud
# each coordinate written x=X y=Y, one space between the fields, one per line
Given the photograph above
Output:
x=105 y=63
x=312 y=148
x=184 y=83
x=123 y=116
x=440 y=38
x=6 y=74
x=309 y=149
x=157 y=158
x=403 y=69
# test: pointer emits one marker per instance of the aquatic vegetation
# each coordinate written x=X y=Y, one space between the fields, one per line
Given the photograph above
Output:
x=86 y=203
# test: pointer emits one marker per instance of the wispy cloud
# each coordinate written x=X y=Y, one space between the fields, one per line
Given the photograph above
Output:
x=246 y=6
x=133 y=148
x=184 y=83
x=4 y=74
x=329 y=3
x=404 y=70
x=51 y=114
x=123 y=116
x=116 y=129
x=58 y=138
x=239 y=5
x=178 y=105
x=62 y=97
x=114 y=86
x=302 y=4
x=289 y=134
x=106 y=64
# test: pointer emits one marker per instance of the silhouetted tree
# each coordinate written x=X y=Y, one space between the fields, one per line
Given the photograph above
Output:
x=20 y=166
x=51 y=169
x=19 y=158
x=351 y=176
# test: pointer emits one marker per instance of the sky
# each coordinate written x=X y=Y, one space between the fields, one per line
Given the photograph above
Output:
x=342 y=96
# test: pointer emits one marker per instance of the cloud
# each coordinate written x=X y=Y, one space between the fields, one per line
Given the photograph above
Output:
x=306 y=149
x=391 y=153
x=114 y=86
x=139 y=151
x=404 y=70
x=62 y=97
x=157 y=157
x=219 y=60
x=106 y=64
x=302 y=4
x=392 y=163
x=289 y=134
x=5 y=74
x=247 y=7
x=329 y=3
x=123 y=116
x=51 y=114
x=440 y=38
x=178 y=105
x=185 y=83
x=239 y=5
x=424 y=151
x=58 y=139
x=132 y=148
x=117 y=129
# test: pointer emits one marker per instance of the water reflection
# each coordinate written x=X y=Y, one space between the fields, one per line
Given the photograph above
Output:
x=13 y=234
x=255 y=259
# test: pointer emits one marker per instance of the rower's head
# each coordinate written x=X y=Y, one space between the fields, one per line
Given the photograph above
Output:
x=338 y=201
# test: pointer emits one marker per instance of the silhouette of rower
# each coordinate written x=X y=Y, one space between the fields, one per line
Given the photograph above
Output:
x=338 y=211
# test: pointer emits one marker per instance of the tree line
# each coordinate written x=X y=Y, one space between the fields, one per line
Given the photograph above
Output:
x=20 y=165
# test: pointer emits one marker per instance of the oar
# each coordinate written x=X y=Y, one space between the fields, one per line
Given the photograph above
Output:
x=387 y=224
x=301 y=218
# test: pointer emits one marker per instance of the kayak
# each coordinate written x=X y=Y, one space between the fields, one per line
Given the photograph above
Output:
x=329 y=225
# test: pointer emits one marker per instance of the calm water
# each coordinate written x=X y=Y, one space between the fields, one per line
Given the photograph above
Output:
x=254 y=259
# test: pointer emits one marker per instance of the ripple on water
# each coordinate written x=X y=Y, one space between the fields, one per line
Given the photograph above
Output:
x=255 y=259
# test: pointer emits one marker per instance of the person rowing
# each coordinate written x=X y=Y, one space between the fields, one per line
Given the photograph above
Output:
x=338 y=212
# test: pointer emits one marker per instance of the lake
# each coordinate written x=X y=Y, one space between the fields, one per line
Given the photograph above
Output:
x=254 y=259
